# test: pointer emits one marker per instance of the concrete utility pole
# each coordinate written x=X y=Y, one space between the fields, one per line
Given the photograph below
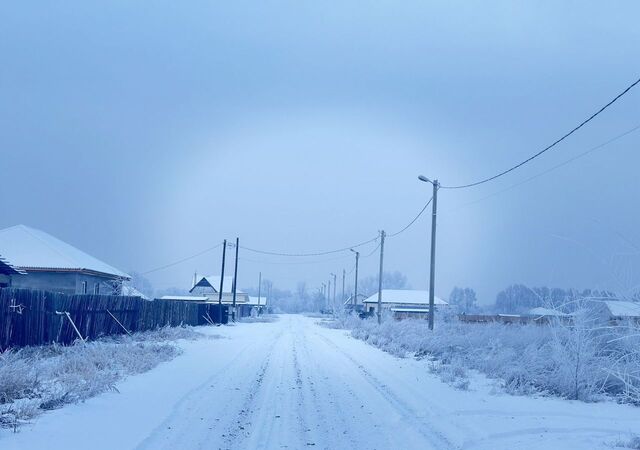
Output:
x=432 y=274
x=259 y=287
x=344 y=275
x=224 y=254
x=334 y=289
x=329 y=293
x=382 y=235
x=235 y=280
x=355 y=295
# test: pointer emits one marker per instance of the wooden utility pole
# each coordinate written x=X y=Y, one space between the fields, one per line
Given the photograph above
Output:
x=224 y=254
x=235 y=280
x=382 y=236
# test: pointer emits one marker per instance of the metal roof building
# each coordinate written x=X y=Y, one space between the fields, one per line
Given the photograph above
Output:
x=47 y=263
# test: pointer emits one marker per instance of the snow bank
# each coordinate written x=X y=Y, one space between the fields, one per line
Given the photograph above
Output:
x=36 y=379
x=586 y=361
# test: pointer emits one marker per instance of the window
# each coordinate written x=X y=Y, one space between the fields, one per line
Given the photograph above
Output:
x=96 y=288
x=83 y=288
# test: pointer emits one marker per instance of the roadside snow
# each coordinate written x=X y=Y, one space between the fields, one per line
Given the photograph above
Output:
x=294 y=384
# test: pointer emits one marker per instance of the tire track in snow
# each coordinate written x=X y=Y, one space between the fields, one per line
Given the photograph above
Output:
x=190 y=398
x=435 y=437
x=240 y=428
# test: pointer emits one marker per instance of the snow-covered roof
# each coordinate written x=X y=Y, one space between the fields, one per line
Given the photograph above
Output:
x=623 y=308
x=254 y=301
x=7 y=268
x=213 y=281
x=34 y=250
x=130 y=291
x=545 y=312
x=405 y=297
x=191 y=298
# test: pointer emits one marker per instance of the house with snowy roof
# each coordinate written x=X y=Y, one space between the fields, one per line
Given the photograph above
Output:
x=615 y=311
x=403 y=303
x=209 y=286
x=47 y=263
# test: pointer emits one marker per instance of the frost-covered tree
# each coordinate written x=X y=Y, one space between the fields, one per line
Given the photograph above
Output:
x=390 y=280
x=464 y=299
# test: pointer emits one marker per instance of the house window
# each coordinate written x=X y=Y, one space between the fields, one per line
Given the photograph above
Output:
x=83 y=288
x=96 y=288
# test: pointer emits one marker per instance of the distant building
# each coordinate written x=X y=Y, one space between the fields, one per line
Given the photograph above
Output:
x=47 y=263
x=615 y=311
x=209 y=286
x=403 y=303
x=255 y=306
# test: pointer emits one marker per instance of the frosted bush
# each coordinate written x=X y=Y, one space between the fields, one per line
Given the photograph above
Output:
x=585 y=361
x=36 y=379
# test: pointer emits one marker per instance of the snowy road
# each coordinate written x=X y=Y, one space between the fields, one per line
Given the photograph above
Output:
x=293 y=384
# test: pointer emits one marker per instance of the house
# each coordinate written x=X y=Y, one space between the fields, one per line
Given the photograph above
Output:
x=615 y=311
x=209 y=286
x=49 y=264
x=403 y=303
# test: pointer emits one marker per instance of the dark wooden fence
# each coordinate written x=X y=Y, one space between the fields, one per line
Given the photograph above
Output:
x=29 y=317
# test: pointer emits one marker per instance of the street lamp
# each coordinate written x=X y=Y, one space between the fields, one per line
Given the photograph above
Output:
x=432 y=274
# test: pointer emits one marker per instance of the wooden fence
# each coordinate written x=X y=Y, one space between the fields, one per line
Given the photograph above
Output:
x=29 y=317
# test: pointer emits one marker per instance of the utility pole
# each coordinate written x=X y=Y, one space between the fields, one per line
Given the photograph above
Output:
x=259 y=287
x=329 y=293
x=344 y=275
x=355 y=295
x=224 y=254
x=382 y=235
x=334 y=289
x=432 y=275
x=235 y=280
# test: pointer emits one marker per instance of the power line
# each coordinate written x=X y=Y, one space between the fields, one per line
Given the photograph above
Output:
x=293 y=263
x=182 y=260
x=551 y=169
x=328 y=252
x=424 y=208
x=549 y=147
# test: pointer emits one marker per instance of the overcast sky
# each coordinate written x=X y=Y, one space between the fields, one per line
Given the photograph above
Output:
x=145 y=132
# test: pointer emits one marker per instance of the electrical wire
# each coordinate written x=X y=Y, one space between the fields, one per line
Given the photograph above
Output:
x=166 y=266
x=549 y=147
x=293 y=263
x=424 y=208
x=328 y=252
x=551 y=169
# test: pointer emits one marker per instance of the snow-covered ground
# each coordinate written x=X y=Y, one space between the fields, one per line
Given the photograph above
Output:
x=294 y=384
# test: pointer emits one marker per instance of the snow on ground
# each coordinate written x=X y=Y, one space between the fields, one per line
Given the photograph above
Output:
x=294 y=384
